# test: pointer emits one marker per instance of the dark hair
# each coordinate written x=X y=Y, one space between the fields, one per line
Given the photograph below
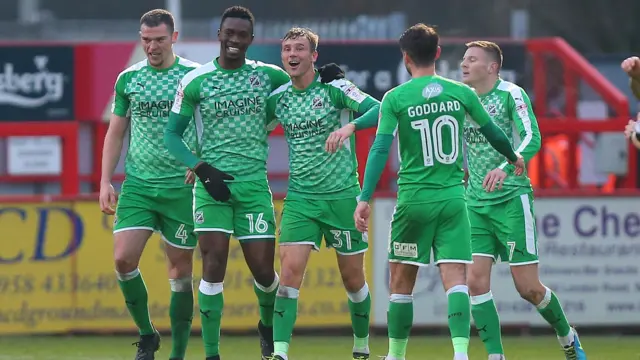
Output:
x=158 y=17
x=238 y=12
x=491 y=48
x=420 y=42
x=298 y=32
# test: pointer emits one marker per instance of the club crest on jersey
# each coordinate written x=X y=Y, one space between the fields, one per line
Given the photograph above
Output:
x=254 y=80
x=492 y=110
x=199 y=217
x=317 y=103
x=432 y=90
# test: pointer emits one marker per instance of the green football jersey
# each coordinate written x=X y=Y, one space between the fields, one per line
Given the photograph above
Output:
x=146 y=95
x=308 y=117
x=510 y=109
x=229 y=107
x=427 y=114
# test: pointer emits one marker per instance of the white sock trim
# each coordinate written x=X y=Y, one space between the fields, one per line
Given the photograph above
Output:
x=181 y=285
x=359 y=296
x=481 y=299
x=210 y=289
x=401 y=299
x=271 y=288
x=567 y=340
x=545 y=300
x=128 y=276
x=458 y=289
x=288 y=292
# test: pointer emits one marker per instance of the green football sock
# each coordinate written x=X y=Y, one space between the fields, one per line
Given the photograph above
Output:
x=552 y=312
x=360 y=308
x=285 y=314
x=487 y=321
x=181 y=315
x=459 y=317
x=135 y=296
x=399 y=322
x=211 y=302
x=266 y=300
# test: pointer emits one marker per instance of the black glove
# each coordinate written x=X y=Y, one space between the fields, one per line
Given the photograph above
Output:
x=213 y=181
x=330 y=72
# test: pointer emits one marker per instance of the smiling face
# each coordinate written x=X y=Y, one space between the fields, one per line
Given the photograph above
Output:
x=157 y=43
x=235 y=36
x=298 y=56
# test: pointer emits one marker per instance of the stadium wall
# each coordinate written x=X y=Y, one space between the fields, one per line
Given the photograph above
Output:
x=57 y=275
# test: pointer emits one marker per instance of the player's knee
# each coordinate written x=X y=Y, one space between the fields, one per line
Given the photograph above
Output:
x=180 y=270
x=291 y=274
x=125 y=264
x=533 y=293
x=353 y=280
x=264 y=277
x=478 y=282
x=453 y=274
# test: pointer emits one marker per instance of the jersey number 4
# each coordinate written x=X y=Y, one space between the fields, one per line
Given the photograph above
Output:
x=432 y=140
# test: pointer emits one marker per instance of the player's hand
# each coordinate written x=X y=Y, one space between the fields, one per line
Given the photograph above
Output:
x=519 y=164
x=337 y=138
x=330 y=72
x=189 y=177
x=632 y=67
x=107 y=198
x=213 y=181
x=632 y=127
x=494 y=178
x=361 y=216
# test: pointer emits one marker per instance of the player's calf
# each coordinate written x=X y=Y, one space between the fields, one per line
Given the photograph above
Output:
x=483 y=308
x=214 y=247
x=128 y=247
x=400 y=313
x=180 y=266
x=259 y=255
x=353 y=277
x=293 y=262
x=455 y=284
x=528 y=284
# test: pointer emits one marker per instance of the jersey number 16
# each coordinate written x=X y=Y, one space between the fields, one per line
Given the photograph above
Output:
x=432 y=139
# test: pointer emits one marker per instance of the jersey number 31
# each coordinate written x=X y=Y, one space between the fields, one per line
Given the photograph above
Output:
x=432 y=139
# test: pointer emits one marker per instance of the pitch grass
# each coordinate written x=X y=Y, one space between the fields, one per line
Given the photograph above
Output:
x=306 y=348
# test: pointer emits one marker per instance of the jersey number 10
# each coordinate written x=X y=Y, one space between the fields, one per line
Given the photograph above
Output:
x=432 y=140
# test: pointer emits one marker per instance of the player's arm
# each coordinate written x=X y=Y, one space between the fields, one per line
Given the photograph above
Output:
x=271 y=120
x=634 y=84
x=521 y=112
x=496 y=137
x=118 y=124
x=181 y=114
x=277 y=76
x=379 y=152
x=346 y=95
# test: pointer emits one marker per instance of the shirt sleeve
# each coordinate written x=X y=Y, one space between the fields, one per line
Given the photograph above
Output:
x=271 y=121
x=379 y=153
x=346 y=95
x=187 y=98
x=477 y=113
x=120 y=106
x=277 y=76
x=521 y=113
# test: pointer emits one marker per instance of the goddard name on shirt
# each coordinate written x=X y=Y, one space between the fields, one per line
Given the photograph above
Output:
x=435 y=107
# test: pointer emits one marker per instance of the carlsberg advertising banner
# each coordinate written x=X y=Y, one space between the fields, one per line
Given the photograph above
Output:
x=36 y=83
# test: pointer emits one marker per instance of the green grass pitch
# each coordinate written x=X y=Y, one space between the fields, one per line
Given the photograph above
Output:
x=307 y=348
